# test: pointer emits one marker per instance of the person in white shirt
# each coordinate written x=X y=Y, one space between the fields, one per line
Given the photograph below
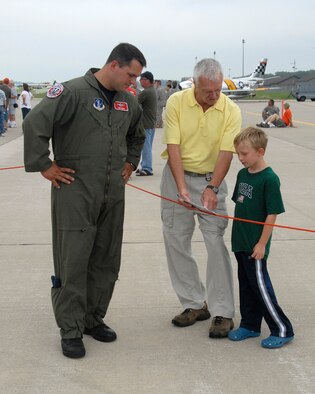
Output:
x=26 y=97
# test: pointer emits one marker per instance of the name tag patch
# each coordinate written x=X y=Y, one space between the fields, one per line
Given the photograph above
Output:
x=121 y=106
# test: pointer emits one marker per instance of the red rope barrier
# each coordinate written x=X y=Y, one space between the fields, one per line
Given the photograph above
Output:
x=223 y=216
x=11 y=168
x=199 y=210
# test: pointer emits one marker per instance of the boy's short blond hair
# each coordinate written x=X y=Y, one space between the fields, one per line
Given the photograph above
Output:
x=256 y=137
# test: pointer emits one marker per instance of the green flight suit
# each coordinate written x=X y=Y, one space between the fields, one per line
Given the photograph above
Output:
x=88 y=214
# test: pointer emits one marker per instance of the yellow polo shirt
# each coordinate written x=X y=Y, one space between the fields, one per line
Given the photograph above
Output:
x=201 y=135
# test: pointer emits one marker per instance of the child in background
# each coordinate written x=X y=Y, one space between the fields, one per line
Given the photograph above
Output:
x=257 y=197
x=287 y=115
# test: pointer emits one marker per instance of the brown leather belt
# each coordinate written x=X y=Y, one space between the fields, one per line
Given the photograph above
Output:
x=195 y=174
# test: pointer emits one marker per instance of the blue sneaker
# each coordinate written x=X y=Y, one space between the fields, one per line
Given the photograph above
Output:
x=273 y=342
x=242 y=333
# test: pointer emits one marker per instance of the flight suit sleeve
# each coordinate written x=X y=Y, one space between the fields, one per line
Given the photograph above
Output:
x=39 y=126
x=135 y=137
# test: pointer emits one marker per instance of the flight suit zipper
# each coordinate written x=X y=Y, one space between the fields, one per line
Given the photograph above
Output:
x=110 y=153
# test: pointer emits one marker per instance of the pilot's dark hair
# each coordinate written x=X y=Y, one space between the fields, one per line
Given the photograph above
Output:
x=272 y=101
x=124 y=53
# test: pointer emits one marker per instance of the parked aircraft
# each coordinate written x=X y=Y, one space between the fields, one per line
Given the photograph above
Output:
x=239 y=87
x=245 y=86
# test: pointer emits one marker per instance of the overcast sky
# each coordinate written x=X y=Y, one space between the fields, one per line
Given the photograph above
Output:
x=44 y=40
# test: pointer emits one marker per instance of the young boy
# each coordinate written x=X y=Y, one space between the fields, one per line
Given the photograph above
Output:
x=257 y=197
x=287 y=115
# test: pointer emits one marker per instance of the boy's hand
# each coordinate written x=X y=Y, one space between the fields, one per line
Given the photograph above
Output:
x=258 y=252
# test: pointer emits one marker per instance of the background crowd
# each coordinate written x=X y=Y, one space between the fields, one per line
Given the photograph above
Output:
x=9 y=103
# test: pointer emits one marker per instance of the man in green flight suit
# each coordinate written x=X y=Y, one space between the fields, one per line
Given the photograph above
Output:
x=97 y=136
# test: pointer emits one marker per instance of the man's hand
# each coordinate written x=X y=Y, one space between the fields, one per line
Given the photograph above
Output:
x=127 y=171
x=209 y=199
x=184 y=195
x=57 y=174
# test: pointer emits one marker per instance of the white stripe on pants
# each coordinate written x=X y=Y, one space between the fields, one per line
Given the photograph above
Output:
x=178 y=228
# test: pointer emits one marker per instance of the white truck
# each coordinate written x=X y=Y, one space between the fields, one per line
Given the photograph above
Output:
x=304 y=90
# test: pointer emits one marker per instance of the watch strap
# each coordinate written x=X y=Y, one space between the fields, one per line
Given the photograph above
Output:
x=213 y=188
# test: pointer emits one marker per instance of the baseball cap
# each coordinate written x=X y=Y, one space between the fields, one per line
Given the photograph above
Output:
x=147 y=75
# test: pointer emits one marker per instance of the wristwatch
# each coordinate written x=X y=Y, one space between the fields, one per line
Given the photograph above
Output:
x=213 y=188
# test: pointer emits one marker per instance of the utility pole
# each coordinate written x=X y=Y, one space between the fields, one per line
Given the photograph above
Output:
x=294 y=66
x=214 y=53
x=243 y=42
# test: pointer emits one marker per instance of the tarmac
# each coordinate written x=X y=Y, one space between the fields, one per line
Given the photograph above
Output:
x=151 y=356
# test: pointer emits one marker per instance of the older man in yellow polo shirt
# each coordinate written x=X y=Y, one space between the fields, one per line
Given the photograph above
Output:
x=200 y=127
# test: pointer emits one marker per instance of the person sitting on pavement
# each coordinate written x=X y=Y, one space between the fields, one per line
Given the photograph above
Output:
x=275 y=120
x=287 y=115
x=271 y=109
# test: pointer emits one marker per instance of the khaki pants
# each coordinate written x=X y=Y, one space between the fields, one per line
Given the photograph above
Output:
x=178 y=228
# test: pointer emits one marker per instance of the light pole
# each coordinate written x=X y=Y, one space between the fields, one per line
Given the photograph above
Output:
x=229 y=73
x=214 y=53
x=243 y=42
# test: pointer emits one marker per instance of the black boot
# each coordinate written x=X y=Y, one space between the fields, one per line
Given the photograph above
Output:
x=101 y=333
x=73 y=348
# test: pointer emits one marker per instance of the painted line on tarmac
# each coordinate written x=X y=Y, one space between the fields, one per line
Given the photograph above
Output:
x=295 y=121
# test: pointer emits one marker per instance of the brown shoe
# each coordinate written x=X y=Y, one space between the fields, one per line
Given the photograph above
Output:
x=220 y=327
x=190 y=316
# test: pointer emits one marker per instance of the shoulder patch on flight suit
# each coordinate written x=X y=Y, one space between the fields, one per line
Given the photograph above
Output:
x=55 y=90
x=121 y=106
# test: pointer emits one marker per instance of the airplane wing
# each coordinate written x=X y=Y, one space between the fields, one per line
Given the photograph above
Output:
x=240 y=93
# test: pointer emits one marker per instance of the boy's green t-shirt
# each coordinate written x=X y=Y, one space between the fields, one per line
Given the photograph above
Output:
x=256 y=196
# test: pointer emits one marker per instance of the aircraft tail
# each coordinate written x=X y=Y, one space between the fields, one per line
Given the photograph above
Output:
x=260 y=69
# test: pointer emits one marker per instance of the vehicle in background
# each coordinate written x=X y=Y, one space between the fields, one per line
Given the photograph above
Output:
x=304 y=90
